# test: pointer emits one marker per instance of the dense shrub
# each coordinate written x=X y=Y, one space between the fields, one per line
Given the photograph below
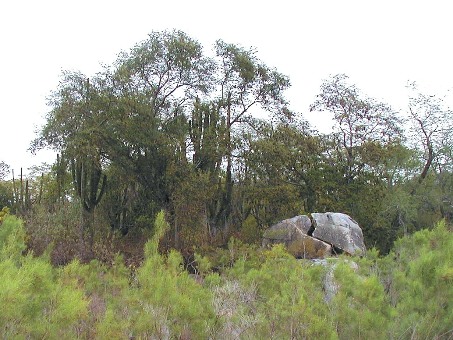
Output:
x=34 y=302
x=249 y=294
x=421 y=285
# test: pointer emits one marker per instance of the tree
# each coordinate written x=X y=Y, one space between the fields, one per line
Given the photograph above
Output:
x=166 y=70
x=161 y=113
x=359 y=120
x=286 y=165
x=430 y=134
x=430 y=131
x=244 y=82
x=152 y=89
x=364 y=150
x=6 y=193
x=74 y=128
x=4 y=170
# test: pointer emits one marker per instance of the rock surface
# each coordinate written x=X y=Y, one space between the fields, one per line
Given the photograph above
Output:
x=330 y=285
x=288 y=230
x=340 y=230
x=294 y=233
x=306 y=239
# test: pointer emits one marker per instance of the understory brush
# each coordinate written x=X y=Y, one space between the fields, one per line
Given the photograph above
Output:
x=237 y=293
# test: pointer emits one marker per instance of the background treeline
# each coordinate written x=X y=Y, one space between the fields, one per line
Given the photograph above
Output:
x=254 y=294
x=209 y=138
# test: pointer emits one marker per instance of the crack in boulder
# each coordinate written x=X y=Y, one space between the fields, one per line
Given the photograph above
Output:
x=322 y=235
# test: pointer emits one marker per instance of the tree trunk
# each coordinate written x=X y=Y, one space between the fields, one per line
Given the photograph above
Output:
x=176 y=231
x=86 y=236
x=428 y=163
x=229 y=177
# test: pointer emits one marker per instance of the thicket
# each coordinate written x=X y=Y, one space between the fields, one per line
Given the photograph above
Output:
x=211 y=140
x=254 y=294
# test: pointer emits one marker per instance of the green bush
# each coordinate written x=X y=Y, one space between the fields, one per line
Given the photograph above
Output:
x=421 y=284
x=360 y=307
x=162 y=300
x=12 y=239
x=169 y=301
x=257 y=294
x=280 y=298
x=3 y=213
x=34 y=302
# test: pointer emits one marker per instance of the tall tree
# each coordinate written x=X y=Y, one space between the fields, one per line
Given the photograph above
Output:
x=431 y=131
x=162 y=111
x=75 y=129
x=364 y=148
x=244 y=83
x=358 y=120
x=431 y=135
x=6 y=193
x=153 y=87
x=4 y=170
x=286 y=163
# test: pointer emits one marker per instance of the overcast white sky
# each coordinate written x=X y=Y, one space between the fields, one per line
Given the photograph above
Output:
x=379 y=44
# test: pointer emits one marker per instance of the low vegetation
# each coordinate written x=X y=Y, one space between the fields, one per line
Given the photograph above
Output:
x=253 y=294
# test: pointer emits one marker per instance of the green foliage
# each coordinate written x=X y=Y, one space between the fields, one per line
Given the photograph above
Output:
x=421 y=286
x=160 y=227
x=34 y=303
x=204 y=265
x=166 y=290
x=6 y=191
x=360 y=306
x=6 y=194
x=168 y=299
x=283 y=298
x=3 y=213
x=12 y=239
x=258 y=294
x=250 y=231
x=286 y=159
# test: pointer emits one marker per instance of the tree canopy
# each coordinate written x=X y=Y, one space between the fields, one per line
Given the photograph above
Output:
x=210 y=138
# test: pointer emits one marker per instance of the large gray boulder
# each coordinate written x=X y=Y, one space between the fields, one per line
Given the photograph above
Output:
x=288 y=230
x=294 y=234
x=340 y=230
